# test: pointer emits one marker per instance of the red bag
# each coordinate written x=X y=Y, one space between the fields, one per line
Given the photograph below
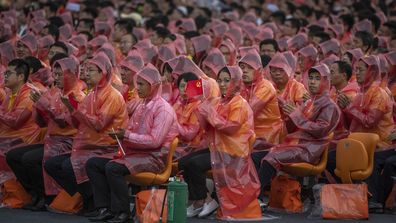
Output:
x=285 y=194
x=65 y=203
x=149 y=204
x=14 y=195
x=344 y=201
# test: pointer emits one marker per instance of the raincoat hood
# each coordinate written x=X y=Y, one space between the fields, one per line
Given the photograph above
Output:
x=215 y=60
x=71 y=72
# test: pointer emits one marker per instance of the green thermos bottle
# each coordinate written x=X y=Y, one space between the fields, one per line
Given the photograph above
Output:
x=177 y=201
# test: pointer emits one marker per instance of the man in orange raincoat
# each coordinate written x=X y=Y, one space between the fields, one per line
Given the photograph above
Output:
x=17 y=124
x=101 y=110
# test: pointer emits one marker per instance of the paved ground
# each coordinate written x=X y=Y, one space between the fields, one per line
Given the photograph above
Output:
x=23 y=216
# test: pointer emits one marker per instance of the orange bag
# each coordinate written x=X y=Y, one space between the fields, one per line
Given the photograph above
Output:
x=149 y=204
x=252 y=211
x=285 y=194
x=14 y=195
x=344 y=201
x=65 y=203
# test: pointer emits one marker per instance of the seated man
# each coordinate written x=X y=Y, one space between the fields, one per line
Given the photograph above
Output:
x=313 y=122
x=101 y=110
x=340 y=74
x=26 y=161
x=370 y=111
x=288 y=89
x=17 y=124
x=262 y=98
x=145 y=141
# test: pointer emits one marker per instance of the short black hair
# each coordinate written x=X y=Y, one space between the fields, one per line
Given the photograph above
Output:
x=315 y=29
x=306 y=10
x=191 y=34
x=376 y=21
x=201 y=21
x=56 y=57
x=366 y=37
x=88 y=34
x=21 y=67
x=61 y=45
x=53 y=31
x=56 y=21
x=322 y=35
x=207 y=11
x=344 y=67
x=34 y=63
x=88 y=22
x=162 y=31
x=189 y=76
x=171 y=36
x=126 y=24
x=279 y=15
x=295 y=23
x=91 y=10
x=272 y=42
x=348 y=20
x=265 y=59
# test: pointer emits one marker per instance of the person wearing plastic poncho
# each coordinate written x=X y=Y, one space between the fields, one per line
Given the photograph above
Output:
x=17 y=125
x=288 y=89
x=228 y=124
x=26 y=162
x=313 y=121
x=145 y=141
x=262 y=98
x=100 y=111
x=371 y=111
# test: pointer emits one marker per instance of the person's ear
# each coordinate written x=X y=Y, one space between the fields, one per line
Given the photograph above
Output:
x=20 y=77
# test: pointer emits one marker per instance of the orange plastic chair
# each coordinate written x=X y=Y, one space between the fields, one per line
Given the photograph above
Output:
x=369 y=141
x=149 y=178
x=351 y=157
x=307 y=169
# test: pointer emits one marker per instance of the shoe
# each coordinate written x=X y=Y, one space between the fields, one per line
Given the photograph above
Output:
x=90 y=213
x=375 y=207
x=122 y=217
x=40 y=205
x=35 y=199
x=104 y=214
x=262 y=203
x=208 y=208
x=192 y=212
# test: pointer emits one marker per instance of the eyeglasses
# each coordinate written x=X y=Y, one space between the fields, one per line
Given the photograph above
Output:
x=8 y=73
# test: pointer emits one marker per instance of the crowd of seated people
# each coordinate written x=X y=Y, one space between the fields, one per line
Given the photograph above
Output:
x=93 y=91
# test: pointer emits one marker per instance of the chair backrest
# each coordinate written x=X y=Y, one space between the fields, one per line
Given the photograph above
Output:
x=321 y=166
x=369 y=141
x=351 y=156
x=164 y=176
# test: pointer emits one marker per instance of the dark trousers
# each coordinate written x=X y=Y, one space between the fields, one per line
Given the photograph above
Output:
x=194 y=166
x=380 y=182
x=109 y=187
x=61 y=170
x=26 y=162
x=332 y=164
x=265 y=170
